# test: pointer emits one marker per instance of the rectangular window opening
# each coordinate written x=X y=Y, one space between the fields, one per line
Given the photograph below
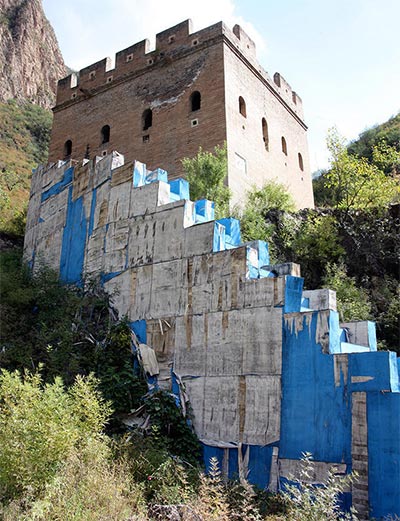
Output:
x=241 y=163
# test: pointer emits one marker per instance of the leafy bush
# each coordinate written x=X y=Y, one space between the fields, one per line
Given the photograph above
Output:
x=165 y=478
x=41 y=425
x=315 y=245
x=206 y=173
x=352 y=301
x=259 y=201
x=174 y=433
x=67 y=331
x=364 y=242
x=55 y=463
x=324 y=196
x=85 y=489
x=385 y=304
x=386 y=157
x=359 y=183
x=212 y=501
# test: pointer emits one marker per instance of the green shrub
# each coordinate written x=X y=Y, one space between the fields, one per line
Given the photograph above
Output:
x=357 y=183
x=352 y=301
x=174 y=434
x=271 y=196
x=41 y=425
x=315 y=245
x=85 y=489
x=206 y=173
x=68 y=331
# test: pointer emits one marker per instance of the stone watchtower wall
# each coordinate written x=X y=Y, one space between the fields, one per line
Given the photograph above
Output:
x=217 y=63
x=267 y=368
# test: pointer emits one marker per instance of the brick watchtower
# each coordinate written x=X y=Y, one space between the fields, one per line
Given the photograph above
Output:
x=194 y=89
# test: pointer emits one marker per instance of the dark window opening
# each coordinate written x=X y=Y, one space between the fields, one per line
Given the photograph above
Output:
x=146 y=138
x=87 y=152
x=67 y=149
x=284 y=146
x=301 y=164
x=195 y=101
x=265 y=133
x=147 y=119
x=105 y=134
x=242 y=107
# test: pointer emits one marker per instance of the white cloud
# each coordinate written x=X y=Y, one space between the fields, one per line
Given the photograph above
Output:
x=91 y=30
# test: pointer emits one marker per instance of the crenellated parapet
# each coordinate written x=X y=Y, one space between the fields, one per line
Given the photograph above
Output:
x=177 y=40
x=286 y=91
x=170 y=44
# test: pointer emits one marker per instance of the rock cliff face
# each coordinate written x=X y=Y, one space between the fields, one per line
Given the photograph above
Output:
x=30 y=59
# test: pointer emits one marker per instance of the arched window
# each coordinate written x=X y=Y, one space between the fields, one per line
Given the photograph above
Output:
x=284 y=146
x=67 y=149
x=242 y=107
x=147 y=119
x=195 y=101
x=105 y=134
x=265 y=133
x=301 y=164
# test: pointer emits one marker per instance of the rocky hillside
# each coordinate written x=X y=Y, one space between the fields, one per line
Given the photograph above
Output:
x=24 y=140
x=30 y=59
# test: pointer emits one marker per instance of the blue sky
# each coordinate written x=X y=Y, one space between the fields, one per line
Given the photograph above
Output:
x=341 y=56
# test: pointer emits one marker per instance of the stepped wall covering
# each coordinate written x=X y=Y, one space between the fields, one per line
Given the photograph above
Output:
x=269 y=371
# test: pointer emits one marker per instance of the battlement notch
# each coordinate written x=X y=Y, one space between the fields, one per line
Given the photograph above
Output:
x=288 y=94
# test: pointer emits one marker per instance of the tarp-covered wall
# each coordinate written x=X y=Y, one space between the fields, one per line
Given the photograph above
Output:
x=269 y=372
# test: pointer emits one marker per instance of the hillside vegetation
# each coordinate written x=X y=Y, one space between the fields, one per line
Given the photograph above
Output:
x=350 y=243
x=68 y=381
x=68 y=384
x=24 y=140
x=388 y=132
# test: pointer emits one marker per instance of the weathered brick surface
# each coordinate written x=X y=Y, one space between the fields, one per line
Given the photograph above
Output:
x=218 y=63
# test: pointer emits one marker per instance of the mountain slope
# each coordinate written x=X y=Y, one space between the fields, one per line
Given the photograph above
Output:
x=389 y=132
x=24 y=139
x=30 y=59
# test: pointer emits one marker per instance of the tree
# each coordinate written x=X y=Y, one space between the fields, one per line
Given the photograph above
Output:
x=386 y=158
x=271 y=196
x=206 y=174
x=323 y=195
x=356 y=182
